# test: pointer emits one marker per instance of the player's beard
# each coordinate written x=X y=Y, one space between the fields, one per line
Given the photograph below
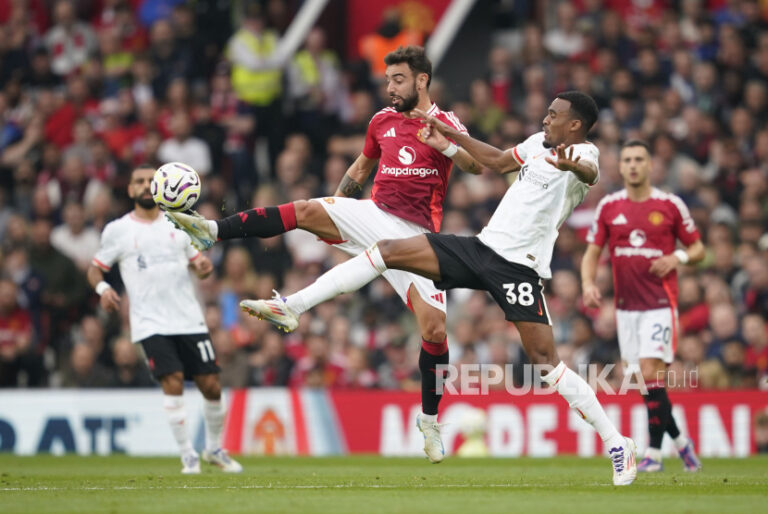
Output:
x=408 y=103
x=144 y=202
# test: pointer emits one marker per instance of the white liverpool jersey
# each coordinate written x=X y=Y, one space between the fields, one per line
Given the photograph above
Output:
x=525 y=225
x=154 y=257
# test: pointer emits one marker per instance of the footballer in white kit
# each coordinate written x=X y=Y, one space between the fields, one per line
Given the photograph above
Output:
x=511 y=255
x=155 y=261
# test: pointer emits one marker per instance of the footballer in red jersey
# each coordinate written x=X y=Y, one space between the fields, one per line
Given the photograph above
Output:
x=642 y=225
x=406 y=200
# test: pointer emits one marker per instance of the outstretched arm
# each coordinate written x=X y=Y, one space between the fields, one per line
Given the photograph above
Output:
x=585 y=171
x=500 y=161
x=353 y=180
x=459 y=156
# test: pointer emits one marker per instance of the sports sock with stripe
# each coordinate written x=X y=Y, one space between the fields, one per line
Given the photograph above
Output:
x=431 y=356
x=583 y=400
x=659 y=413
x=258 y=222
x=177 y=416
x=213 y=413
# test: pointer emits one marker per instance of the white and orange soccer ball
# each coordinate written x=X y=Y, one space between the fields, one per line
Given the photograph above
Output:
x=175 y=187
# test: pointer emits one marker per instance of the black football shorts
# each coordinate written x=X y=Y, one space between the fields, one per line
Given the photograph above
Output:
x=190 y=353
x=465 y=262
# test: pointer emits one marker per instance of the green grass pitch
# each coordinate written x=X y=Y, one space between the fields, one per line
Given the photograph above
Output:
x=374 y=484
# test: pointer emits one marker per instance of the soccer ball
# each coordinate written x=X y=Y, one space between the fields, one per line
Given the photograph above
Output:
x=175 y=187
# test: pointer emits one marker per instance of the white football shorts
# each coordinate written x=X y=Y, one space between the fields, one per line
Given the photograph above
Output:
x=361 y=223
x=648 y=334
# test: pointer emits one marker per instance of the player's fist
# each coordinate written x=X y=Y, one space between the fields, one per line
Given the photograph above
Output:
x=433 y=138
x=663 y=265
x=591 y=296
x=202 y=266
x=110 y=300
x=434 y=124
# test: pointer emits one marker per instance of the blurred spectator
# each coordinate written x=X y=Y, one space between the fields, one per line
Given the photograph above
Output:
x=84 y=371
x=130 y=370
x=19 y=355
x=69 y=41
x=73 y=238
x=256 y=75
x=184 y=147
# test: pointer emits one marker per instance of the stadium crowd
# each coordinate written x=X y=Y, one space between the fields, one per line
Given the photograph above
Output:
x=90 y=89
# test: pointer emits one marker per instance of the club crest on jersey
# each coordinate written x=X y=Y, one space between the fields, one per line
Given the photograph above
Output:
x=656 y=218
x=637 y=238
x=406 y=155
x=329 y=200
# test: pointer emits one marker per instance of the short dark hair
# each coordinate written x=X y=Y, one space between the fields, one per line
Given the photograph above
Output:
x=583 y=107
x=636 y=142
x=415 y=57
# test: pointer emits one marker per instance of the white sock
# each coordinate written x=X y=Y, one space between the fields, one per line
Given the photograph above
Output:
x=177 y=417
x=213 y=228
x=653 y=453
x=346 y=277
x=582 y=398
x=213 y=413
x=680 y=442
x=431 y=418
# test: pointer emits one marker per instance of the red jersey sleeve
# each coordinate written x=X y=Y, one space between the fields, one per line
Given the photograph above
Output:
x=372 y=149
x=598 y=232
x=685 y=227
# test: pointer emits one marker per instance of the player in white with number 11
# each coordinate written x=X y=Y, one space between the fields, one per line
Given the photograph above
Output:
x=155 y=261
x=511 y=255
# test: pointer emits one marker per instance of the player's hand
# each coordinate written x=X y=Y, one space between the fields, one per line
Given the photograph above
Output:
x=202 y=266
x=110 y=300
x=591 y=296
x=565 y=161
x=431 y=137
x=663 y=265
x=431 y=121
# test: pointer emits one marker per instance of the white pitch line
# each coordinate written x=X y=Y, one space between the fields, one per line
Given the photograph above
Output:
x=278 y=486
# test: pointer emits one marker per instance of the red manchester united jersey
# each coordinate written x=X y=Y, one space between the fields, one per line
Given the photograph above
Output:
x=412 y=177
x=638 y=233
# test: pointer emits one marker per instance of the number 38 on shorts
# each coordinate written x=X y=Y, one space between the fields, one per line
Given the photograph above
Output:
x=523 y=300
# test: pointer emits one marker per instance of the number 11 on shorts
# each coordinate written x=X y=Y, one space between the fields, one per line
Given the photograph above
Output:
x=206 y=350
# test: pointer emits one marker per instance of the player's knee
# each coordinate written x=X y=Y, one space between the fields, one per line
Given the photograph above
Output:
x=303 y=210
x=172 y=384
x=387 y=249
x=211 y=388
x=433 y=331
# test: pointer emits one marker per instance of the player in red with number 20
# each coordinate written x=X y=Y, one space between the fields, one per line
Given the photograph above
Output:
x=640 y=225
x=406 y=200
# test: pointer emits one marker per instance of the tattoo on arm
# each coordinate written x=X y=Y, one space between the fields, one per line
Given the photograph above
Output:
x=349 y=187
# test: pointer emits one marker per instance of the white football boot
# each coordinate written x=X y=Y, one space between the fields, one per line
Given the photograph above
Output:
x=624 y=464
x=433 y=443
x=195 y=226
x=222 y=459
x=275 y=311
x=191 y=464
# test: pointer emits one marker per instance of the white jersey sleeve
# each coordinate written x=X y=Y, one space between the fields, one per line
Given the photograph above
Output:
x=110 y=247
x=525 y=149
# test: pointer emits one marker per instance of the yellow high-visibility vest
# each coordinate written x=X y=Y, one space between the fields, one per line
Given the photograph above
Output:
x=308 y=67
x=257 y=87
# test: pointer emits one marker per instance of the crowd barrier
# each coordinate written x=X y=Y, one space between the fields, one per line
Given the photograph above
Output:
x=329 y=422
